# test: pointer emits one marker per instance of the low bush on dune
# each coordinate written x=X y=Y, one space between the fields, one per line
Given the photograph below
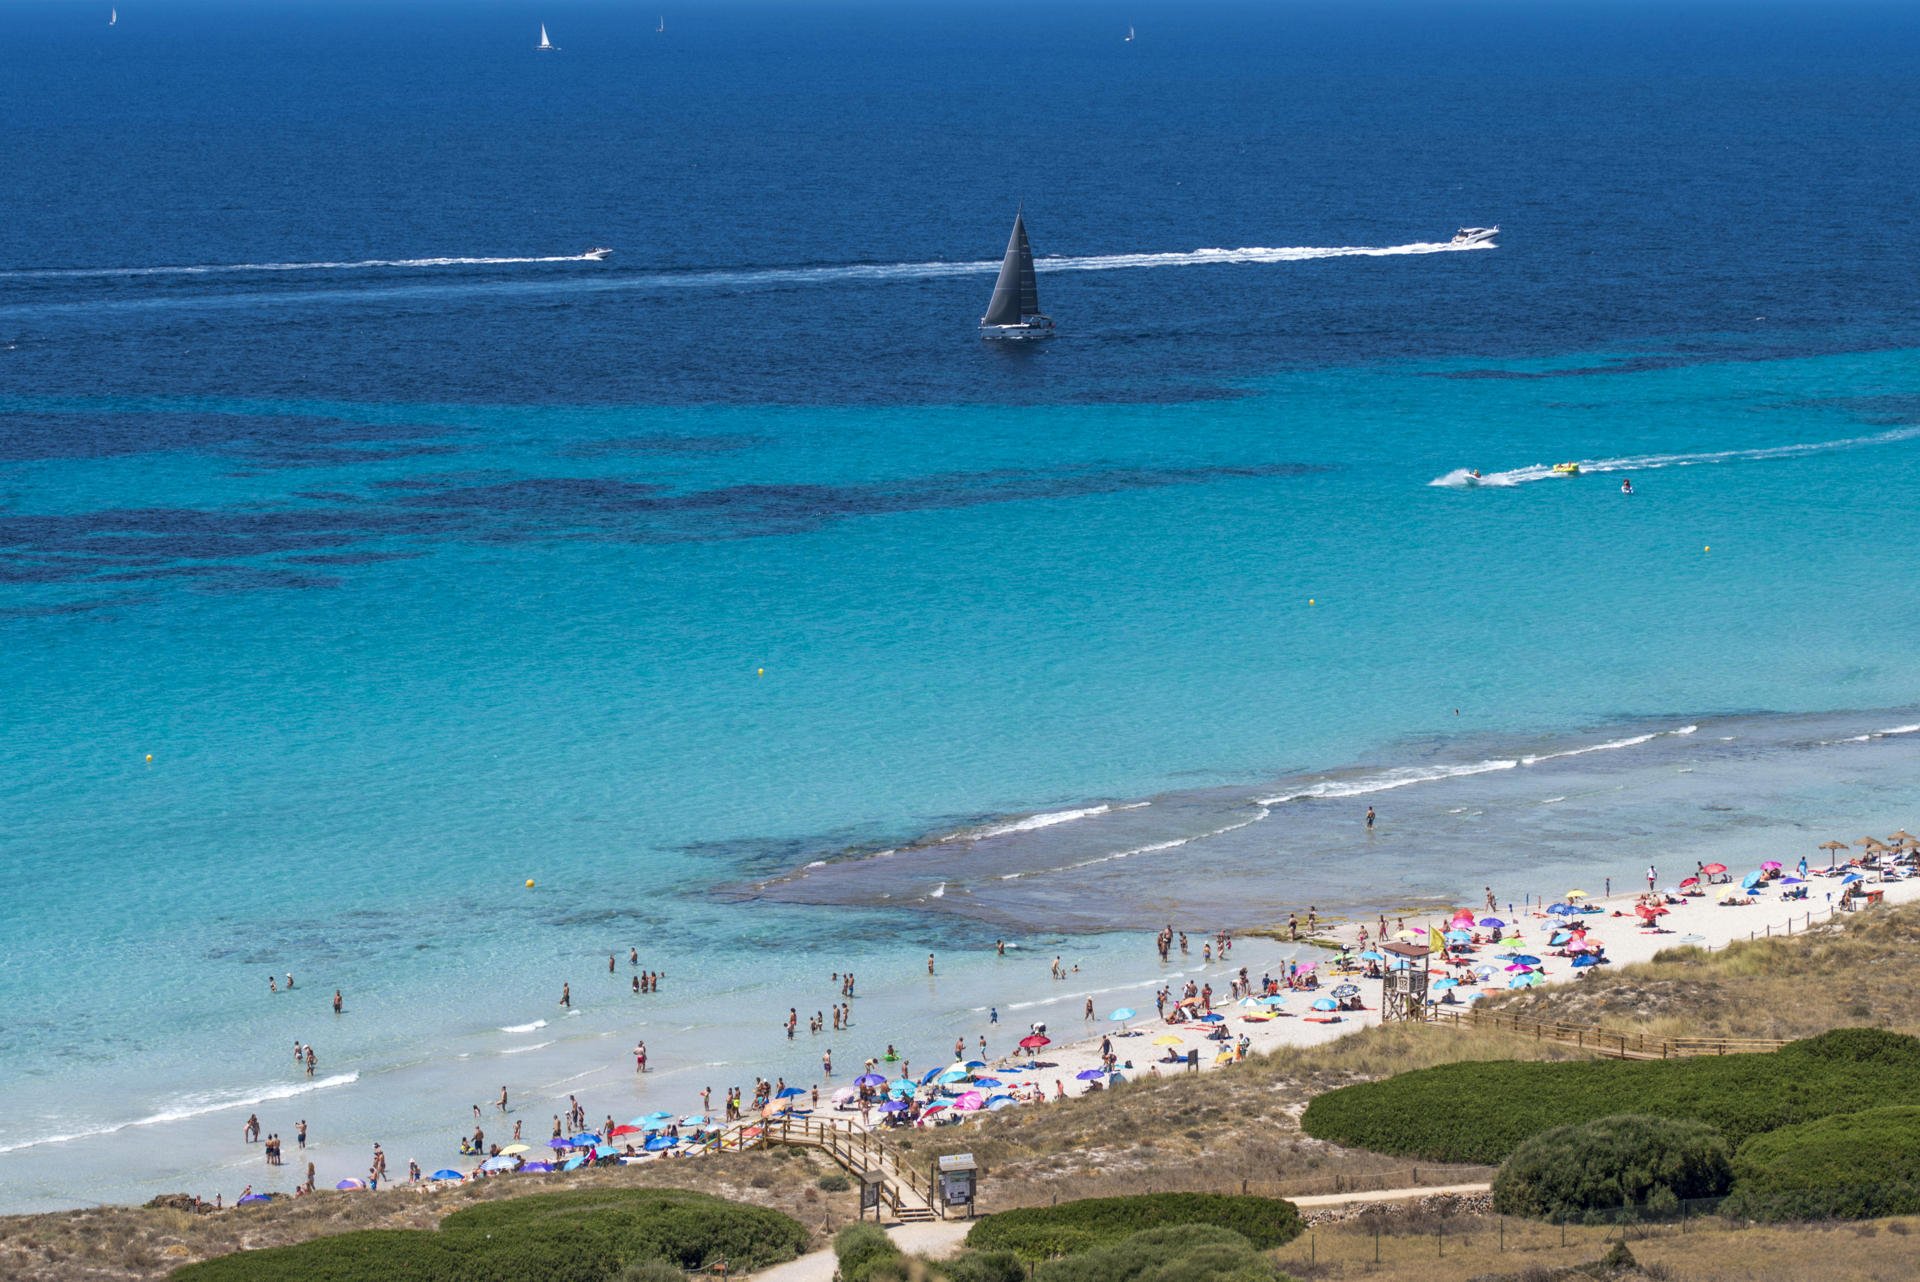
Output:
x=1626 y=1161
x=866 y=1254
x=1852 y=1166
x=586 y=1235
x=1073 y=1228
x=1183 y=1253
x=1482 y=1112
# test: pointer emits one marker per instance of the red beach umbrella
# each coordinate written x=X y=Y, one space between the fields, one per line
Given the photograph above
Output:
x=1034 y=1042
x=1714 y=870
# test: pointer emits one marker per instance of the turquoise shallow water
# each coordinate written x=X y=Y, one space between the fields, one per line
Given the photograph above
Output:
x=963 y=614
x=420 y=576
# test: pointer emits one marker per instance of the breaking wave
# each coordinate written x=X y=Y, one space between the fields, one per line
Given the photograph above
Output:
x=198 y=1105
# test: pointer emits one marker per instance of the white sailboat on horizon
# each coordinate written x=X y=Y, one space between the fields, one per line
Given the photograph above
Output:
x=113 y=17
x=1129 y=35
x=663 y=25
x=546 y=45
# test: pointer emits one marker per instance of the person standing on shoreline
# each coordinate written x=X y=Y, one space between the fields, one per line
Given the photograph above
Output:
x=566 y=995
x=1369 y=818
x=336 y=1001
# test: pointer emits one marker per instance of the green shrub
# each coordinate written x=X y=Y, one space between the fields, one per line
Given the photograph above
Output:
x=1042 y=1232
x=833 y=1182
x=1178 y=1253
x=652 y=1271
x=867 y=1254
x=984 y=1266
x=1613 y=1162
x=582 y=1235
x=1482 y=1111
x=1852 y=1166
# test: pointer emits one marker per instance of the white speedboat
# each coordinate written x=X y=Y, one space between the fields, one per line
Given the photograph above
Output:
x=1014 y=312
x=1475 y=235
x=597 y=255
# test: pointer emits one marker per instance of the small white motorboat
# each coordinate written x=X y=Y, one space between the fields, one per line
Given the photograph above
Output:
x=597 y=255
x=1475 y=235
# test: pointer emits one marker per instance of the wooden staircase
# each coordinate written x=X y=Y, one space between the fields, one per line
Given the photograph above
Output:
x=907 y=1194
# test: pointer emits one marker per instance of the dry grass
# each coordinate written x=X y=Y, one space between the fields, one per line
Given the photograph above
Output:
x=1705 y=1251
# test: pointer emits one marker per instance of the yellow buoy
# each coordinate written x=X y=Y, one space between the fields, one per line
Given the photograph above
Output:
x=149 y=758
x=529 y=883
x=1310 y=601
x=1708 y=548
x=759 y=672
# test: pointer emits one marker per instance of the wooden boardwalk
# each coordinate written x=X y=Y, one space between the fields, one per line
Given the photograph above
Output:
x=861 y=1153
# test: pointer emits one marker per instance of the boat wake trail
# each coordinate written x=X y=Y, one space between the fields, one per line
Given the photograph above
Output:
x=1461 y=478
x=236 y=269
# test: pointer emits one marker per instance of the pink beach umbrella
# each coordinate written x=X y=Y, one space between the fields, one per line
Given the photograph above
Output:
x=969 y=1102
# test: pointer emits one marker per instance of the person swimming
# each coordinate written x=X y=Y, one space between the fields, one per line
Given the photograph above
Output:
x=1626 y=485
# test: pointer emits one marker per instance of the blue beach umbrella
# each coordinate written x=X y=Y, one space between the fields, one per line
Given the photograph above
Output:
x=585 y=1139
x=1277 y=999
x=1211 y=1017
x=869 y=1079
x=660 y=1117
x=660 y=1143
x=1492 y=922
x=999 y=1102
x=988 y=1081
x=446 y=1175
x=895 y=1106
x=350 y=1184
x=1125 y=1012
x=1325 y=1003
x=573 y=1163
x=974 y=1063
x=694 y=1119
x=1446 y=982
x=1459 y=937
x=253 y=1197
x=536 y=1167
x=1585 y=960
x=1370 y=955
x=606 y=1150
x=1850 y=878
x=953 y=1075
x=792 y=1092
x=1563 y=910
x=1751 y=880
x=1527 y=980
x=557 y=1143
x=1524 y=959
x=1793 y=881
x=497 y=1164
x=903 y=1084
x=931 y=1075
x=1090 y=1074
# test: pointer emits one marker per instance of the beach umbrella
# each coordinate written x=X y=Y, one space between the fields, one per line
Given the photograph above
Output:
x=1576 y=894
x=349 y=1184
x=1493 y=922
x=1563 y=910
x=987 y=1081
x=573 y=1163
x=1751 y=880
x=1408 y=936
x=1090 y=1074
x=1771 y=865
x=1346 y=990
x=1125 y=1012
x=511 y=1149
x=606 y=1150
x=618 y=1131
x=1585 y=960
x=1166 y=1039
x=903 y=1085
x=792 y=1092
x=655 y=1118
x=953 y=1075
x=253 y=1197
x=1370 y=955
x=536 y=1167
x=869 y=1079
x=1275 y=999
x=1211 y=1017
x=1517 y=966
x=776 y=1108
x=447 y=1175
x=999 y=1102
x=1459 y=937
x=1714 y=870
x=1685 y=882
x=1034 y=1042
x=930 y=1075
x=1528 y=980
x=974 y=1063
x=1447 y=982
x=1325 y=1003
x=1793 y=881
x=556 y=1142
x=501 y=1163
x=1850 y=878
x=700 y=1119
x=661 y=1143
x=970 y=1102
x=585 y=1139
x=1526 y=959
x=895 y=1106
x=1304 y=967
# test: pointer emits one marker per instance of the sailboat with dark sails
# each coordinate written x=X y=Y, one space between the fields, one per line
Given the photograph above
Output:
x=1015 y=312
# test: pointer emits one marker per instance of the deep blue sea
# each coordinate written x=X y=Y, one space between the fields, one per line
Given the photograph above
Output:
x=734 y=592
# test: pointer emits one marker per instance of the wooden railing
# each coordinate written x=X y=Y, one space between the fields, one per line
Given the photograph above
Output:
x=1607 y=1041
x=854 y=1148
